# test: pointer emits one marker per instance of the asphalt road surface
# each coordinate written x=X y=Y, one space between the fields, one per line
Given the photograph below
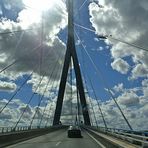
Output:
x=58 y=139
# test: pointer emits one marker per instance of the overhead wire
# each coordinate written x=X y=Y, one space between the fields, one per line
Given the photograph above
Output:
x=78 y=106
x=92 y=107
x=71 y=93
x=13 y=63
x=85 y=84
x=19 y=89
x=50 y=116
x=31 y=97
x=16 y=92
x=18 y=59
x=41 y=98
x=83 y=27
x=18 y=42
x=79 y=17
x=3 y=33
x=42 y=116
x=17 y=31
x=98 y=104
x=111 y=37
x=57 y=84
x=82 y=5
x=130 y=44
x=40 y=68
x=99 y=73
x=41 y=49
x=35 y=91
x=80 y=8
x=96 y=98
x=44 y=110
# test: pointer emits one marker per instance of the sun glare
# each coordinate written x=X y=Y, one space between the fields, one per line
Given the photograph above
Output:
x=39 y=5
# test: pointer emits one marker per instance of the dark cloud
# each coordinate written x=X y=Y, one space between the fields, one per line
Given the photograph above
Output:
x=130 y=25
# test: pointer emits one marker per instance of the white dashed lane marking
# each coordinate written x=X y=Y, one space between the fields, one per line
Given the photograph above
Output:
x=58 y=143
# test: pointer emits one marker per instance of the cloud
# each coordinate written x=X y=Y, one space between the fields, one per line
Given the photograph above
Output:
x=48 y=85
x=13 y=111
x=134 y=114
x=118 y=88
x=132 y=101
x=100 y=48
x=145 y=90
x=145 y=110
x=20 y=45
x=113 y=20
x=120 y=65
x=10 y=9
x=129 y=102
x=78 y=42
x=128 y=99
x=7 y=86
x=35 y=49
x=130 y=26
x=10 y=114
x=6 y=115
x=139 y=71
x=27 y=109
x=145 y=83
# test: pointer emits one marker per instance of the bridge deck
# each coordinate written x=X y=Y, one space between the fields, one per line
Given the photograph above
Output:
x=58 y=139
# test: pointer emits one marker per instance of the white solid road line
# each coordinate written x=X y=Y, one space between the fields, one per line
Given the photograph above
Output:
x=99 y=143
x=58 y=143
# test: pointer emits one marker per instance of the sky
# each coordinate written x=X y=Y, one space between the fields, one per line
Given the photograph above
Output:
x=108 y=64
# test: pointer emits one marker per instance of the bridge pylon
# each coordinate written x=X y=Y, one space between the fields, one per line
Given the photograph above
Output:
x=71 y=54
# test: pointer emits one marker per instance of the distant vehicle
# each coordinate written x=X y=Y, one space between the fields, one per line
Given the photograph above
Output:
x=104 y=36
x=74 y=132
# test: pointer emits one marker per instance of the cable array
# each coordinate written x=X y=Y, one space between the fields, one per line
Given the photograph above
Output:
x=41 y=98
x=111 y=37
x=92 y=88
x=99 y=73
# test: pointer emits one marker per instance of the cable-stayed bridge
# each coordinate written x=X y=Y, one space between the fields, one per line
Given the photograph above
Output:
x=50 y=129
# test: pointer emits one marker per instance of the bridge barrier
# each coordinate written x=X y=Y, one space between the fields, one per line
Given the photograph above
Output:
x=9 y=135
x=132 y=137
x=11 y=129
x=19 y=128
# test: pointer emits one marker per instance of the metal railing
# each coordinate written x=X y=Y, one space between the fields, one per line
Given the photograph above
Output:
x=9 y=135
x=19 y=128
x=134 y=137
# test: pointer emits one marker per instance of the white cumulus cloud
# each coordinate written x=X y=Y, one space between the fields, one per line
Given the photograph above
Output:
x=125 y=20
x=7 y=86
x=120 y=65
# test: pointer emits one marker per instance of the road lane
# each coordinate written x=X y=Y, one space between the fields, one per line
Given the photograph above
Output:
x=58 y=139
x=45 y=141
x=85 y=142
